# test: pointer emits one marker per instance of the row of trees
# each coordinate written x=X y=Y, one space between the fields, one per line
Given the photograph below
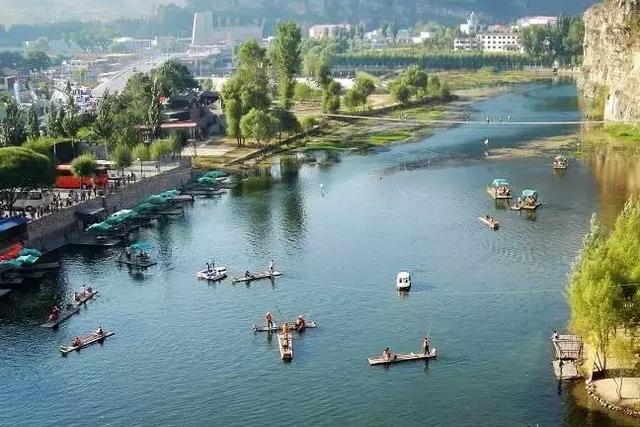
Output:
x=604 y=288
x=396 y=58
x=562 y=41
x=247 y=95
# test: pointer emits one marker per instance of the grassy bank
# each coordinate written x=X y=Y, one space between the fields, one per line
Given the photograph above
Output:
x=461 y=80
x=620 y=137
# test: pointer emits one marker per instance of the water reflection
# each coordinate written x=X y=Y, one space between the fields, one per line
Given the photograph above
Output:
x=617 y=175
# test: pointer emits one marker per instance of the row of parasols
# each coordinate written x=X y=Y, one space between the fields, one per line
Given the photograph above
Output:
x=149 y=206
x=17 y=256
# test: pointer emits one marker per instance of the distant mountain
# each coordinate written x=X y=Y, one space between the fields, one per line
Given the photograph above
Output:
x=371 y=12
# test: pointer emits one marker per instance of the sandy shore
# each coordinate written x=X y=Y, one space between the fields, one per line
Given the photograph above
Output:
x=540 y=147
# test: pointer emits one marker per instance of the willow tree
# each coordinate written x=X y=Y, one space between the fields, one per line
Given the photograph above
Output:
x=22 y=170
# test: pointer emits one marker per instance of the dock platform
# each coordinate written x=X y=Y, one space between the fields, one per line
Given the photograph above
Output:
x=567 y=347
x=565 y=370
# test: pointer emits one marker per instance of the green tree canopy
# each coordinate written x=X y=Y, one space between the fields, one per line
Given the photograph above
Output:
x=285 y=56
x=173 y=77
x=160 y=148
x=22 y=169
x=141 y=152
x=260 y=125
x=122 y=156
x=84 y=166
x=13 y=130
x=33 y=125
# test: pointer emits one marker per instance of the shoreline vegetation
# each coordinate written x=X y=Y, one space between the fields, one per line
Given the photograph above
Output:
x=361 y=135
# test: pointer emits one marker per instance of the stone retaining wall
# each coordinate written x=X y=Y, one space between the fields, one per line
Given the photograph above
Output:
x=591 y=391
x=55 y=230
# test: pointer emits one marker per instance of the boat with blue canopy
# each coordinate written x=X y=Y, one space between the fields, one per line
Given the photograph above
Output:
x=500 y=189
x=528 y=200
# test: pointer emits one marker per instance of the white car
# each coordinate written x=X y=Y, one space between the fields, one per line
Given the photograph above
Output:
x=30 y=200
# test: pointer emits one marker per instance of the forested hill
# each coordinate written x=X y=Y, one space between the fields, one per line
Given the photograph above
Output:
x=370 y=12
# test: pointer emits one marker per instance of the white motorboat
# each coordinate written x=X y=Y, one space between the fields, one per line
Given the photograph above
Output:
x=216 y=273
x=403 y=281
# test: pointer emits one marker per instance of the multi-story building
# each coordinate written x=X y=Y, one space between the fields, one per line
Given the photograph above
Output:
x=500 y=42
x=327 y=30
x=467 y=43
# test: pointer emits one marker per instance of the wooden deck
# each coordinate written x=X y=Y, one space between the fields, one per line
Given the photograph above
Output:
x=567 y=347
x=565 y=370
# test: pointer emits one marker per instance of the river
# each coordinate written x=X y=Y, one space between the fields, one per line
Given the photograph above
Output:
x=184 y=351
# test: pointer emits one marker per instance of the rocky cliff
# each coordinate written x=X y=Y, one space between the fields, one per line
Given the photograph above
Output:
x=611 y=66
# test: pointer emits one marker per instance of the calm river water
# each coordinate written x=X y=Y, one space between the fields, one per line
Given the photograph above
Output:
x=184 y=351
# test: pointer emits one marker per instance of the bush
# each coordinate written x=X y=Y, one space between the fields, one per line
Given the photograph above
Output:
x=308 y=122
x=304 y=92
x=488 y=69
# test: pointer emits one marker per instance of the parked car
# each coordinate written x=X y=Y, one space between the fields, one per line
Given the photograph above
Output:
x=30 y=200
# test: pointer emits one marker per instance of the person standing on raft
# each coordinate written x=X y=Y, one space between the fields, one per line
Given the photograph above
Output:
x=425 y=346
x=269 y=320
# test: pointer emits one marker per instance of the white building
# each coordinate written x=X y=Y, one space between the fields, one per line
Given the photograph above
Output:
x=530 y=21
x=467 y=43
x=403 y=37
x=327 y=30
x=472 y=26
x=424 y=35
x=500 y=42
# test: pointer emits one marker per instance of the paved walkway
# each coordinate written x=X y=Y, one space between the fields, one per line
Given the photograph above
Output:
x=630 y=391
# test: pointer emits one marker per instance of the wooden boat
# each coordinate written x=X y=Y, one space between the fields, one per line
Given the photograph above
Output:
x=285 y=343
x=492 y=224
x=397 y=358
x=86 y=297
x=86 y=342
x=65 y=313
x=135 y=261
x=256 y=276
x=278 y=327
x=560 y=162
x=500 y=189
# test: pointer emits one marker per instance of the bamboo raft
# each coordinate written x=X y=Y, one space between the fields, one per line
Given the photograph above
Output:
x=565 y=370
x=86 y=342
x=285 y=344
x=494 y=225
x=256 y=276
x=397 y=358
x=135 y=261
x=86 y=297
x=498 y=197
x=526 y=207
x=278 y=327
x=64 y=315
x=206 y=192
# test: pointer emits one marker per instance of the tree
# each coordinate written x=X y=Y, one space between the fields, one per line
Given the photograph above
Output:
x=285 y=56
x=233 y=115
x=178 y=140
x=331 y=97
x=141 y=152
x=260 y=125
x=53 y=123
x=308 y=122
x=400 y=91
x=172 y=78
x=122 y=156
x=104 y=126
x=22 y=170
x=155 y=109
x=71 y=121
x=13 y=130
x=160 y=148
x=287 y=121
x=33 y=125
x=84 y=166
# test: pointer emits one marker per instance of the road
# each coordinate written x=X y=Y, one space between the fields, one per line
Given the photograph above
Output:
x=118 y=81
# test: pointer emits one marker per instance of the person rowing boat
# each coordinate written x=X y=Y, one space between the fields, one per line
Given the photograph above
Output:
x=269 y=320
x=300 y=324
x=425 y=345
x=271 y=267
x=76 y=297
x=99 y=331
x=285 y=328
x=248 y=275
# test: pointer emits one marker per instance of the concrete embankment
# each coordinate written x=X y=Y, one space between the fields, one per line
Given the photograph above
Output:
x=55 y=230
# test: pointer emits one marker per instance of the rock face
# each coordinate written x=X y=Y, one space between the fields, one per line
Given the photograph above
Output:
x=611 y=65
